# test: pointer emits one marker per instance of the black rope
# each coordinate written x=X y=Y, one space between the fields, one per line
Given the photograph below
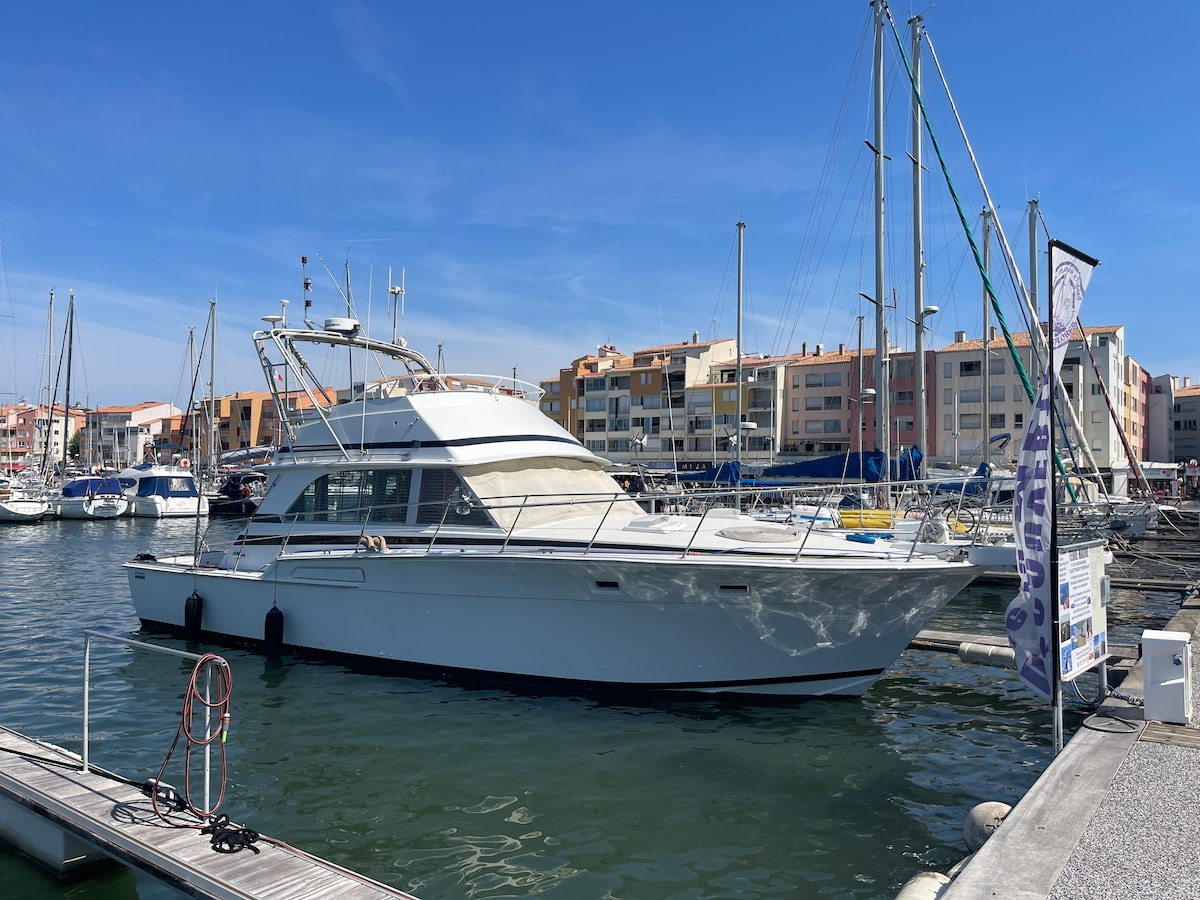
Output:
x=227 y=838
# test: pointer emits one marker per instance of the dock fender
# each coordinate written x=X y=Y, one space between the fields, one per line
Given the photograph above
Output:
x=273 y=631
x=924 y=886
x=193 y=616
x=982 y=821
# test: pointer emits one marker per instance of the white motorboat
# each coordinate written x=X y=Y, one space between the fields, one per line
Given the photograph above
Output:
x=444 y=525
x=90 y=497
x=158 y=491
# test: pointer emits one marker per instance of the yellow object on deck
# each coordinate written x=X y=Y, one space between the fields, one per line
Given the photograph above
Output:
x=867 y=518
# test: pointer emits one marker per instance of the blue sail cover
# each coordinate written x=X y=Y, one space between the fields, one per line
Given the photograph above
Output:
x=866 y=466
x=725 y=473
x=974 y=486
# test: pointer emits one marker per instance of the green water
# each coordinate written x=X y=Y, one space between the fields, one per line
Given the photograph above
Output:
x=449 y=792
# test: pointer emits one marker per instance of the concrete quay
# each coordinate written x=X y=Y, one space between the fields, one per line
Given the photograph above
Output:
x=1116 y=815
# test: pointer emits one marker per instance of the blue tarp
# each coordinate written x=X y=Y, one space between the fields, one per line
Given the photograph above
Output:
x=83 y=487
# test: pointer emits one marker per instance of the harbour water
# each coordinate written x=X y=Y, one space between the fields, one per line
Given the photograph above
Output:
x=454 y=792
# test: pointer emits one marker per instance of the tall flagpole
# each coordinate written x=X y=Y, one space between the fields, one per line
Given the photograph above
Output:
x=1052 y=563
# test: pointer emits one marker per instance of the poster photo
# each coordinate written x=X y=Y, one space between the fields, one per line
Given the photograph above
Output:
x=1082 y=623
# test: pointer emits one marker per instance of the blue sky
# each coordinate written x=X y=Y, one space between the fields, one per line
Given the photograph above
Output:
x=557 y=175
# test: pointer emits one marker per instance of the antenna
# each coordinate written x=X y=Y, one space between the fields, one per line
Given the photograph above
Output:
x=396 y=299
x=307 y=288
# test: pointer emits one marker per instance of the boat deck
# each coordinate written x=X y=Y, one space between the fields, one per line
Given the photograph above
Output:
x=118 y=819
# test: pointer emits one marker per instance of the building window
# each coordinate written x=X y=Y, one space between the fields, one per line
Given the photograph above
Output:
x=996 y=393
x=833 y=379
x=970 y=422
x=996 y=421
x=903 y=368
x=832 y=403
x=813 y=403
x=833 y=426
x=968 y=367
x=996 y=367
x=1018 y=421
x=812 y=380
x=970 y=395
x=902 y=398
x=813 y=426
x=904 y=423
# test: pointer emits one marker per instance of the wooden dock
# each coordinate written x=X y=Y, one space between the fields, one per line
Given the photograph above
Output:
x=43 y=788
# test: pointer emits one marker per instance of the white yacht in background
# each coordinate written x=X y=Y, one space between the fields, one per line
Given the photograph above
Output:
x=90 y=497
x=443 y=524
x=158 y=491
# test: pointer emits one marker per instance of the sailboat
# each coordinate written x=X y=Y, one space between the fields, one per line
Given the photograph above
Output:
x=91 y=496
x=24 y=499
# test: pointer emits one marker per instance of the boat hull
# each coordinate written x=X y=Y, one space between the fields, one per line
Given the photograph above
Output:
x=100 y=507
x=158 y=507
x=819 y=628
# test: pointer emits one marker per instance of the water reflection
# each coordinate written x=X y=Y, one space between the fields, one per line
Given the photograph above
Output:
x=450 y=791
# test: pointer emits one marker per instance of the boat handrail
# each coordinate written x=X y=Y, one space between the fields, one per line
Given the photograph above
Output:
x=599 y=525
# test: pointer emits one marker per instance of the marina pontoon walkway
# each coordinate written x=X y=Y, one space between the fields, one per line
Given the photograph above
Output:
x=44 y=790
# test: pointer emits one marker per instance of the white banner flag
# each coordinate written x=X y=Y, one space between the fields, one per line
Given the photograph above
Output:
x=1030 y=621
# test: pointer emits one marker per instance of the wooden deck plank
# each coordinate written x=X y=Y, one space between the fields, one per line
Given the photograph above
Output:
x=1179 y=735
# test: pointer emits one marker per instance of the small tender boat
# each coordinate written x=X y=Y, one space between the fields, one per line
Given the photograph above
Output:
x=90 y=497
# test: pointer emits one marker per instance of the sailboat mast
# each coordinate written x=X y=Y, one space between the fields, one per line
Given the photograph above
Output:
x=214 y=452
x=1033 y=276
x=922 y=424
x=741 y=234
x=985 y=450
x=882 y=405
x=70 y=340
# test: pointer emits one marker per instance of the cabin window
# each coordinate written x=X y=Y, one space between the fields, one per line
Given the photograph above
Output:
x=445 y=500
x=357 y=495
